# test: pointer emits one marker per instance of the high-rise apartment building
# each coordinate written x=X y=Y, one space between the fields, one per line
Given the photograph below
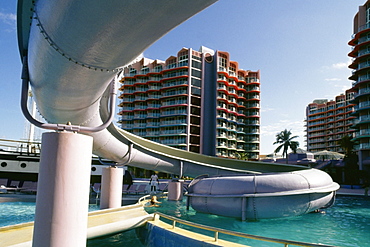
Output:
x=360 y=54
x=199 y=101
x=328 y=121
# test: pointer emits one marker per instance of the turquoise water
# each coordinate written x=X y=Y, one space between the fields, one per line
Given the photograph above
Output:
x=347 y=223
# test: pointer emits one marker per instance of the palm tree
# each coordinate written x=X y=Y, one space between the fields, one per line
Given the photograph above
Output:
x=347 y=144
x=242 y=155
x=350 y=159
x=284 y=138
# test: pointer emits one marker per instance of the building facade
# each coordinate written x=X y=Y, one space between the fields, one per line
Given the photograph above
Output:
x=360 y=54
x=199 y=101
x=328 y=121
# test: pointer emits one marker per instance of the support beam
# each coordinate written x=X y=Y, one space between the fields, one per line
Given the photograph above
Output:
x=175 y=191
x=111 y=188
x=63 y=190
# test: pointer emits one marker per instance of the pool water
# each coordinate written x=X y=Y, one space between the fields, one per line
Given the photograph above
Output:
x=347 y=223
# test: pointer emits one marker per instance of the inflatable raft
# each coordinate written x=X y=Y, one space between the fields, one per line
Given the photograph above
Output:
x=262 y=196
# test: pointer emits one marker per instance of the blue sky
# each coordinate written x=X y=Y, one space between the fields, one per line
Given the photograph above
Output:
x=300 y=47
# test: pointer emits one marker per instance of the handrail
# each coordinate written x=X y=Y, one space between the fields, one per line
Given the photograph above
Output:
x=216 y=231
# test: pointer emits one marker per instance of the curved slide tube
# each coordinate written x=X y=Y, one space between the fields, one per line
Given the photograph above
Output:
x=75 y=49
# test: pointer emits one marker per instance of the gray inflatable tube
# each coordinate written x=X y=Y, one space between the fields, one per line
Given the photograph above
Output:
x=263 y=196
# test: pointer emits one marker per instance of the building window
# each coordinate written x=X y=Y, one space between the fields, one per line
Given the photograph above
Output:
x=133 y=71
x=222 y=63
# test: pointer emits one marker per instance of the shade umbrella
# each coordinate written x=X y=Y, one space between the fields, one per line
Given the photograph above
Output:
x=328 y=155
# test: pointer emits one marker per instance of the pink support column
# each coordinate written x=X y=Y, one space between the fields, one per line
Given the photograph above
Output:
x=175 y=191
x=111 y=188
x=63 y=190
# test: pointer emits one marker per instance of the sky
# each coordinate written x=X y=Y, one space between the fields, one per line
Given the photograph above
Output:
x=300 y=47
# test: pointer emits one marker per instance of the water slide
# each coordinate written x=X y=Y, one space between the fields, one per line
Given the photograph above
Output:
x=73 y=56
x=72 y=51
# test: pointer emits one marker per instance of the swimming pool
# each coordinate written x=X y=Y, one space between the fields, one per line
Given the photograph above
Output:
x=347 y=223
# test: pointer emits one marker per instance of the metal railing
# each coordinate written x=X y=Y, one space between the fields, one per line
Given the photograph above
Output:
x=216 y=232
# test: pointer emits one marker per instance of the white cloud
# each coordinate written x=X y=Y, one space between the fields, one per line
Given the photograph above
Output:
x=333 y=79
x=340 y=65
x=268 y=134
x=266 y=109
x=8 y=19
x=296 y=128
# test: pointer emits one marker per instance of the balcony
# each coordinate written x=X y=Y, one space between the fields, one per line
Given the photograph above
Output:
x=176 y=74
x=316 y=123
x=363 y=27
x=365 y=133
x=127 y=117
x=152 y=133
x=252 y=80
x=140 y=107
x=362 y=146
x=154 y=105
x=128 y=91
x=141 y=98
x=154 y=87
x=173 y=112
x=174 y=102
x=361 y=66
x=140 y=116
x=361 y=78
x=175 y=141
x=363 y=40
x=153 y=115
x=174 y=92
x=173 y=132
x=362 y=119
x=222 y=136
x=362 y=91
x=127 y=126
x=363 y=52
x=154 y=96
x=173 y=122
x=129 y=82
x=153 y=124
x=155 y=78
x=175 y=83
x=364 y=104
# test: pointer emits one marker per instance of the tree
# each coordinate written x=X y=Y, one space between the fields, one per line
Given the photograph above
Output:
x=242 y=155
x=350 y=159
x=347 y=145
x=284 y=138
